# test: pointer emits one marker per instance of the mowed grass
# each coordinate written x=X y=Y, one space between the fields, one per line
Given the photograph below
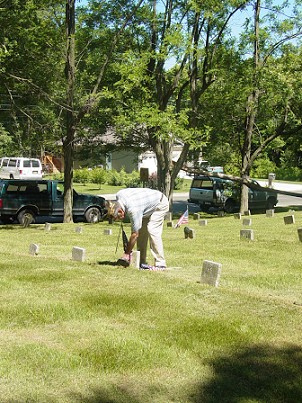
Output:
x=94 y=332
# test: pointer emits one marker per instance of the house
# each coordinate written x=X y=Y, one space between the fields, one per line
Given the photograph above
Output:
x=130 y=161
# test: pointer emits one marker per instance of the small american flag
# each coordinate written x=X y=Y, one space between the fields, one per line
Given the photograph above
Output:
x=184 y=219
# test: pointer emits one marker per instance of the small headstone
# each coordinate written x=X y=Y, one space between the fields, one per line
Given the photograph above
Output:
x=203 y=222
x=107 y=231
x=33 y=249
x=27 y=220
x=247 y=212
x=300 y=234
x=168 y=216
x=79 y=230
x=47 y=226
x=289 y=219
x=189 y=232
x=211 y=273
x=170 y=224
x=135 y=259
x=196 y=216
x=270 y=213
x=78 y=254
x=237 y=216
x=247 y=234
x=247 y=221
x=220 y=213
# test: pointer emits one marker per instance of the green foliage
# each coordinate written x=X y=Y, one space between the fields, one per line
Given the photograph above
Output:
x=262 y=167
x=116 y=178
x=81 y=175
x=179 y=183
x=98 y=176
x=289 y=173
x=122 y=178
x=6 y=142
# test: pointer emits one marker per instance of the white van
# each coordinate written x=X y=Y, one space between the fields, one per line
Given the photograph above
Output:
x=20 y=168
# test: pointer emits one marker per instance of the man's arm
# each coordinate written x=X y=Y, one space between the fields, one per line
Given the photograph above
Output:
x=131 y=242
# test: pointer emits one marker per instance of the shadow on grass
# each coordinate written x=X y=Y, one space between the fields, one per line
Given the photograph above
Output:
x=261 y=373
x=108 y=263
x=102 y=396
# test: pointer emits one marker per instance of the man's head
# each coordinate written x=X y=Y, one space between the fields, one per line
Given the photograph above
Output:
x=115 y=210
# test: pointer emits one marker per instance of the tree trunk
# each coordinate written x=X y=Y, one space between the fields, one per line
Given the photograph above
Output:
x=251 y=113
x=68 y=143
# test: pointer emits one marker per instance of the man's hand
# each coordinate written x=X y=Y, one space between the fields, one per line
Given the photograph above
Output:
x=124 y=260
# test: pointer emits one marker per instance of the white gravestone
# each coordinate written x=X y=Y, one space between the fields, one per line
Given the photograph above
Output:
x=211 y=273
x=135 y=259
x=33 y=249
x=78 y=254
x=247 y=234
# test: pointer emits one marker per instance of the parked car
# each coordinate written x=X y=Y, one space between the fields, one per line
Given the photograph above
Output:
x=33 y=198
x=224 y=194
x=20 y=168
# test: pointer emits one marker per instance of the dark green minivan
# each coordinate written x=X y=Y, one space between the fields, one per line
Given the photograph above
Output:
x=209 y=191
x=33 y=198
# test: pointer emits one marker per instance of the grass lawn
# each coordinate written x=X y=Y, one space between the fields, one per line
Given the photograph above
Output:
x=94 y=332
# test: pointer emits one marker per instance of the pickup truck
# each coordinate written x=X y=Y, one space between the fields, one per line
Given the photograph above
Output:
x=211 y=192
x=33 y=198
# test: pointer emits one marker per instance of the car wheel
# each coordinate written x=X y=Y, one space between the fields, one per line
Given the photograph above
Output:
x=229 y=206
x=93 y=215
x=270 y=204
x=26 y=217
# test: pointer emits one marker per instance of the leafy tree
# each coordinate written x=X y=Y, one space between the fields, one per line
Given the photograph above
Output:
x=30 y=48
x=261 y=70
x=159 y=104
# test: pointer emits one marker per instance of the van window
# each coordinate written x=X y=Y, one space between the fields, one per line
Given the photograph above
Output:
x=35 y=163
x=4 y=162
x=26 y=163
x=12 y=163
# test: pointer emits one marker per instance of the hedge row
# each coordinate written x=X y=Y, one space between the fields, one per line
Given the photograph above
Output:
x=113 y=177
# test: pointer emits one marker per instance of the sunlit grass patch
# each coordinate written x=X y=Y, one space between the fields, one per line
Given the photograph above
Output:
x=75 y=331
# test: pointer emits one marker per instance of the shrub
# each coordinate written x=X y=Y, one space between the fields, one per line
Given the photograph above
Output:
x=178 y=183
x=98 y=176
x=262 y=167
x=116 y=178
x=289 y=173
x=132 y=180
x=81 y=175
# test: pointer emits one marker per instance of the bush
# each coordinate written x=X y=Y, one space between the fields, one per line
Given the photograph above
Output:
x=262 y=167
x=116 y=178
x=81 y=175
x=132 y=180
x=289 y=173
x=98 y=176
x=178 y=183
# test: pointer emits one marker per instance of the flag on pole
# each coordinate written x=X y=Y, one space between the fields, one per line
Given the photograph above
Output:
x=184 y=219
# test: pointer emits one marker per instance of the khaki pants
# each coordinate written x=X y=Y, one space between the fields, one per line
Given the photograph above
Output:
x=152 y=229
